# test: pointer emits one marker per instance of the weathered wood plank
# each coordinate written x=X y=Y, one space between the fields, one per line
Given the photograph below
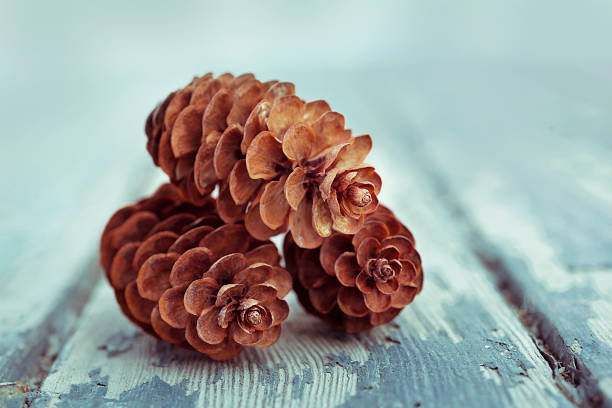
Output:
x=459 y=344
x=68 y=165
x=45 y=288
x=527 y=169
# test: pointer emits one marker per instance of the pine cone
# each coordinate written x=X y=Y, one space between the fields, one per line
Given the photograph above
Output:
x=314 y=176
x=184 y=130
x=237 y=301
x=278 y=160
x=355 y=282
x=162 y=214
x=153 y=250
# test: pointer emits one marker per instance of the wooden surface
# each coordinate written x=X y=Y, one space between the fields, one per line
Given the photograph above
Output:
x=537 y=207
x=504 y=177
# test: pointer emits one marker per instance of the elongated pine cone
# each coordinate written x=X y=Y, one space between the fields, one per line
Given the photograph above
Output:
x=356 y=282
x=279 y=161
x=185 y=277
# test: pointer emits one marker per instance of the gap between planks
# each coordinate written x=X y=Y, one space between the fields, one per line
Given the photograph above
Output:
x=417 y=323
x=533 y=290
x=573 y=378
x=46 y=295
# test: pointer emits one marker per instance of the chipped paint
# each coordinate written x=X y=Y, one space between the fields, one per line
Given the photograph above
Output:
x=391 y=377
x=155 y=393
x=119 y=342
x=490 y=372
x=218 y=375
x=300 y=381
x=576 y=347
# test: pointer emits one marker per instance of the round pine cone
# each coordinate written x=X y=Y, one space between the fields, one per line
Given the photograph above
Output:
x=356 y=282
x=278 y=160
x=154 y=250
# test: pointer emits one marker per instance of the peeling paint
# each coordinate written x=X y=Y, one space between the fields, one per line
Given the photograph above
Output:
x=576 y=347
x=391 y=377
x=155 y=393
x=300 y=382
x=269 y=377
x=119 y=343
x=13 y=394
x=490 y=372
x=166 y=354
x=218 y=375
x=343 y=360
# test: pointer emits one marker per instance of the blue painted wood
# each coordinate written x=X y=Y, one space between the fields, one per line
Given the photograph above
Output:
x=459 y=343
x=75 y=77
x=46 y=289
x=69 y=171
x=522 y=159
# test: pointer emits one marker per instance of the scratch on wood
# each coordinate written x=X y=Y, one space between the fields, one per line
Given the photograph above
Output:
x=392 y=340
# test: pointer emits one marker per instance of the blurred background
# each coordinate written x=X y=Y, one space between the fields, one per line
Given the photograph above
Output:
x=468 y=79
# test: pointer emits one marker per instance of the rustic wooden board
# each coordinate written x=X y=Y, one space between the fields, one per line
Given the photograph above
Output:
x=70 y=166
x=459 y=344
x=68 y=156
x=524 y=162
x=519 y=183
x=51 y=275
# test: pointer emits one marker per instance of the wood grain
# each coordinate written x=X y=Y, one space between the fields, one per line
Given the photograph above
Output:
x=459 y=344
x=50 y=281
x=485 y=168
x=526 y=169
x=68 y=154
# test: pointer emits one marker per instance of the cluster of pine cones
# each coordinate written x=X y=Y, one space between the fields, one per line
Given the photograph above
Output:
x=200 y=271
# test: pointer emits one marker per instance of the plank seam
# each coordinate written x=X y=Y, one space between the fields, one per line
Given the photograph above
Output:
x=57 y=331
x=578 y=384
x=65 y=315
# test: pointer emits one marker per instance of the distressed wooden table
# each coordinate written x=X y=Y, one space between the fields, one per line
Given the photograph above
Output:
x=504 y=176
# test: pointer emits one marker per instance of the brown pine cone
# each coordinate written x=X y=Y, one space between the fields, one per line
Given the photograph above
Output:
x=184 y=130
x=278 y=160
x=314 y=175
x=236 y=302
x=152 y=250
x=163 y=214
x=356 y=282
